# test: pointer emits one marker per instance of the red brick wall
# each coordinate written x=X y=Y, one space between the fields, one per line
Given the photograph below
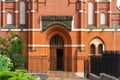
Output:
x=70 y=37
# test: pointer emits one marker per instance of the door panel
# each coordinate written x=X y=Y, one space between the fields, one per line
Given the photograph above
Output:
x=59 y=59
x=53 y=60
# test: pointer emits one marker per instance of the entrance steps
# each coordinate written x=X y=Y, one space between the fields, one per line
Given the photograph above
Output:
x=62 y=74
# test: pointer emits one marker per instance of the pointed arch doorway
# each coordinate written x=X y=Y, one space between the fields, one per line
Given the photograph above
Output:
x=56 y=53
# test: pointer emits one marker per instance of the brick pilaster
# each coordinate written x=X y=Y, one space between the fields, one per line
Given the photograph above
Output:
x=3 y=15
x=81 y=11
x=97 y=14
x=85 y=21
x=109 y=21
x=16 y=13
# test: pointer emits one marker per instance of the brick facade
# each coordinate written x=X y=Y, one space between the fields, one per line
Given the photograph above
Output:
x=68 y=19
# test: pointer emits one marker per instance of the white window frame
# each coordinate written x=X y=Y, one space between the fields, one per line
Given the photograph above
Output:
x=90 y=13
x=9 y=19
x=102 y=19
x=22 y=12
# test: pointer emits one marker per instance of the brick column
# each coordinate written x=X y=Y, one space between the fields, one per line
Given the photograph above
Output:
x=28 y=15
x=17 y=13
x=31 y=15
x=85 y=21
x=3 y=15
x=81 y=14
x=77 y=14
x=33 y=11
x=96 y=50
x=97 y=15
x=109 y=21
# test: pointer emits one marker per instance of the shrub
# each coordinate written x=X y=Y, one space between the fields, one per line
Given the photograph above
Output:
x=5 y=63
x=12 y=46
x=16 y=75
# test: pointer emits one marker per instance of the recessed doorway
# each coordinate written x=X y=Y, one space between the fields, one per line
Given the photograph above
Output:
x=60 y=59
x=56 y=53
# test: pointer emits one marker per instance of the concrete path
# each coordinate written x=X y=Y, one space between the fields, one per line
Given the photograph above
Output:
x=69 y=79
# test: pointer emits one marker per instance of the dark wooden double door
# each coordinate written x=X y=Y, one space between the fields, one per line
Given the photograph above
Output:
x=56 y=59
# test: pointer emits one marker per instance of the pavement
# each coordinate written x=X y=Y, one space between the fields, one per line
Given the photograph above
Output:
x=68 y=79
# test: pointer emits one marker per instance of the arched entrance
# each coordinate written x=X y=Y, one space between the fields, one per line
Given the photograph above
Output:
x=56 y=53
x=59 y=39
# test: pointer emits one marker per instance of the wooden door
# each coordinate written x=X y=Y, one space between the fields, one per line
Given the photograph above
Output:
x=53 y=60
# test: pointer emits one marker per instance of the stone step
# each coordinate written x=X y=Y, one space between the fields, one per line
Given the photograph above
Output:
x=62 y=74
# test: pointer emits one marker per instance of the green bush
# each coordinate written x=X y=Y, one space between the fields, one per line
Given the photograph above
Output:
x=5 y=63
x=12 y=46
x=16 y=75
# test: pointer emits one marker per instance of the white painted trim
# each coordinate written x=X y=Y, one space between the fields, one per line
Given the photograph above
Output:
x=34 y=29
x=118 y=29
x=97 y=1
x=96 y=11
x=91 y=54
x=97 y=30
x=3 y=0
x=81 y=29
x=92 y=30
x=74 y=45
x=3 y=11
x=16 y=11
x=21 y=29
x=11 y=29
x=110 y=0
x=24 y=29
x=109 y=30
x=80 y=74
x=74 y=29
x=33 y=10
x=38 y=45
x=47 y=45
x=40 y=23
x=73 y=24
x=109 y=11
x=16 y=0
x=81 y=11
x=83 y=0
x=103 y=47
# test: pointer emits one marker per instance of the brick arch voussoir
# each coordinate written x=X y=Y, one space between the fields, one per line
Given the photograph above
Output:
x=58 y=30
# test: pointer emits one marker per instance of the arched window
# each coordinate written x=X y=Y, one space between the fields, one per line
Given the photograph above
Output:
x=90 y=13
x=102 y=19
x=100 y=48
x=56 y=41
x=118 y=4
x=22 y=13
x=92 y=49
x=9 y=18
x=97 y=42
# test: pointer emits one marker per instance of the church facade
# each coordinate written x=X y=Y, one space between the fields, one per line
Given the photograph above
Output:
x=62 y=35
